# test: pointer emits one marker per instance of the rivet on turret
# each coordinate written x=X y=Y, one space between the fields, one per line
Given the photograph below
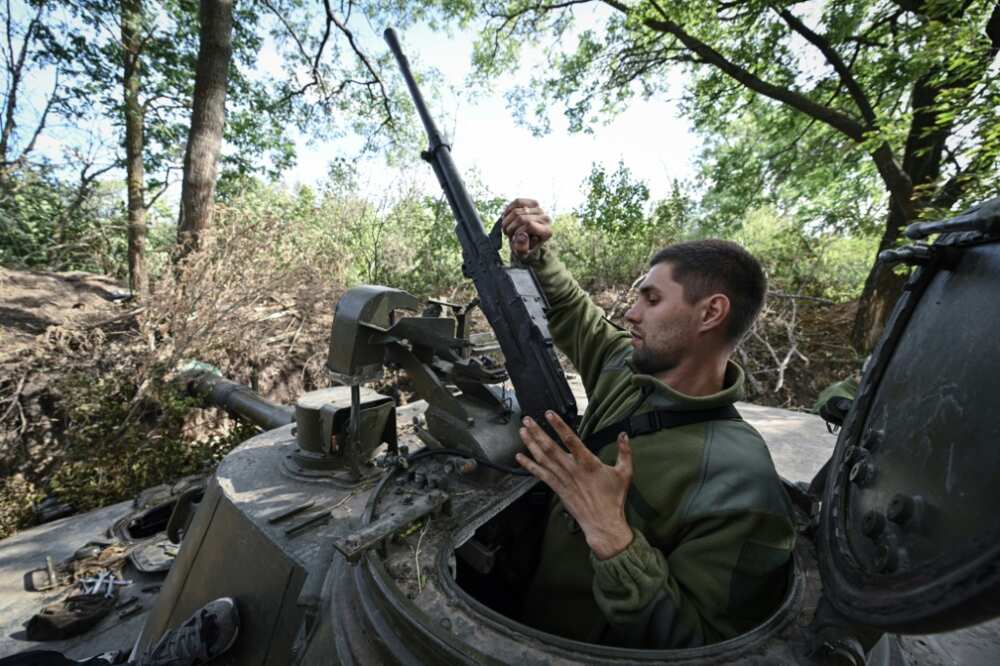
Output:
x=903 y=509
x=873 y=524
x=862 y=473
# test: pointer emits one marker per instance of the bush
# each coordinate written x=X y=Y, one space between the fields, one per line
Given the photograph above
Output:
x=598 y=259
x=826 y=265
x=105 y=422
x=118 y=443
x=49 y=224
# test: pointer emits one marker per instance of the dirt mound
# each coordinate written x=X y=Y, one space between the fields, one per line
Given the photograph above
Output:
x=88 y=411
x=32 y=301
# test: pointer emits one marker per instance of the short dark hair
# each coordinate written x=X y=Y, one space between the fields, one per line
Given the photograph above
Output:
x=711 y=266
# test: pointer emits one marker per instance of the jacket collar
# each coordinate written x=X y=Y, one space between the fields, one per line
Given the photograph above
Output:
x=662 y=396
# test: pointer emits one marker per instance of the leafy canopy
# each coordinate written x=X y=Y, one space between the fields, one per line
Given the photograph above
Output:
x=873 y=91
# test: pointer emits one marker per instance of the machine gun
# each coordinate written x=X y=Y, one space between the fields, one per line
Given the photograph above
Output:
x=509 y=296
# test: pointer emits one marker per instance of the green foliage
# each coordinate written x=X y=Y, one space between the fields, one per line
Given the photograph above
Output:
x=848 y=117
x=407 y=242
x=17 y=495
x=611 y=237
x=49 y=224
x=254 y=129
x=616 y=203
x=824 y=265
x=753 y=163
x=424 y=251
x=118 y=444
x=54 y=225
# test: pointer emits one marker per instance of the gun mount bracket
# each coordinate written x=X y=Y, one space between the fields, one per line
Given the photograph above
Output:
x=330 y=442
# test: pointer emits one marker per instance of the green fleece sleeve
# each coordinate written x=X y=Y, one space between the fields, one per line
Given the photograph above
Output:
x=579 y=328
x=714 y=585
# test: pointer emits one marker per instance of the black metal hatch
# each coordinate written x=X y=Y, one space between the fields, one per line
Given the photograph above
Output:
x=909 y=537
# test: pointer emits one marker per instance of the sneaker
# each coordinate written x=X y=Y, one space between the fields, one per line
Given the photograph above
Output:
x=204 y=636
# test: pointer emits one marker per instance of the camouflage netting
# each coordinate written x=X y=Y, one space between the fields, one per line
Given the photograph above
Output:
x=88 y=411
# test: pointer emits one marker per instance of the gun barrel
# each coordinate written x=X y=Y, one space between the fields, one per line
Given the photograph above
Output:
x=509 y=297
x=418 y=100
x=239 y=400
x=469 y=224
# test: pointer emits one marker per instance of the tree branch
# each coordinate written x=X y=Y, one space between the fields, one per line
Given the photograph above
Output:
x=993 y=31
x=41 y=122
x=313 y=60
x=284 y=99
x=9 y=20
x=87 y=179
x=16 y=71
x=928 y=134
x=912 y=6
x=832 y=117
x=537 y=8
x=331 y=18
x=166 y=183
x=831 y=55
x=952 y=190
x=895 y=179
x=813 y=299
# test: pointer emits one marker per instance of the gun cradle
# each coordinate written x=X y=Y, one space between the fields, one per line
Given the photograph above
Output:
x=469 y=409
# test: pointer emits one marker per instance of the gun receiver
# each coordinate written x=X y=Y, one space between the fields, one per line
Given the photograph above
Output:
x=509 y=296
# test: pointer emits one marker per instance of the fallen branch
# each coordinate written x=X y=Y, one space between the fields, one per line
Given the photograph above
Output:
x=800 y=297
x=757 y=387
x=119 y=317
x=784 y=366
x=295 y=337
x=792 y=349
x=15 y=398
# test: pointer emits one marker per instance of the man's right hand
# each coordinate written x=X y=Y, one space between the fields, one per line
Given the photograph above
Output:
x=526 y=225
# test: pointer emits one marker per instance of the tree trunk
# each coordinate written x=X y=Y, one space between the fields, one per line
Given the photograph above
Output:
x=882 y=288
x=207 y=121
x=131 y=20
x=922 y=157
x=921 y=164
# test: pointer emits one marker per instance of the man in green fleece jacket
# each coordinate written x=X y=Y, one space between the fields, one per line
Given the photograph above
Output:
x=683 y=536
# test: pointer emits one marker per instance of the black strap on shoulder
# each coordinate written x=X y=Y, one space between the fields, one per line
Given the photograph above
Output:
x=661 y=419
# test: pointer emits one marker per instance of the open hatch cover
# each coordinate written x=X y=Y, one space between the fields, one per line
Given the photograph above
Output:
x=909 y=538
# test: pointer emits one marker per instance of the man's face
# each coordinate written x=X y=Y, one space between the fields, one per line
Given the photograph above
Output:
x=664 y=326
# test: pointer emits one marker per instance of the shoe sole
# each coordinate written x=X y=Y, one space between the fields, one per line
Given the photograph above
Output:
x=236 y=621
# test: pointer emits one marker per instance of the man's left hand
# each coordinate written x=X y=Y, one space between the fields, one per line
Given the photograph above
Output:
x=592 y=492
